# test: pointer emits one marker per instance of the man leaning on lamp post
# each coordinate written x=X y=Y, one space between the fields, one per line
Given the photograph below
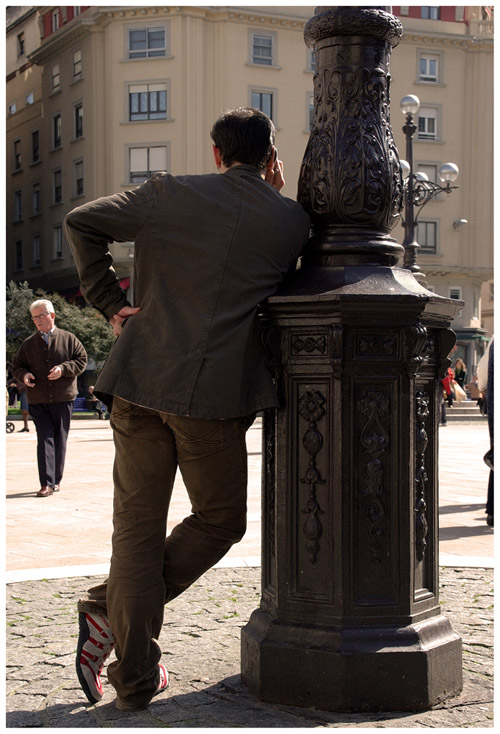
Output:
x=48 y=363
x=186 y=376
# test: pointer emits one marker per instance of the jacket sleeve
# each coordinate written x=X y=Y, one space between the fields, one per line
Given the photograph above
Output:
x=19 y=365
x=91 y=228
x=77 y=359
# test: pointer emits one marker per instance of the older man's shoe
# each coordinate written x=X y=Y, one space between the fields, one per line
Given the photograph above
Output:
x=45 y=491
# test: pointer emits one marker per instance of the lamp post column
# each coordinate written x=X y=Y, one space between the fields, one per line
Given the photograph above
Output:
x=349 y=618
x=410 y=243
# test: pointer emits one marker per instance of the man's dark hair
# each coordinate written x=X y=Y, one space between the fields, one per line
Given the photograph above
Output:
x=244 y=135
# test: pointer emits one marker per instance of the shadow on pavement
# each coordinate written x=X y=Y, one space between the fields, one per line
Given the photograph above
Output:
x=459 y=531
x=451 y=509
x=224 y=704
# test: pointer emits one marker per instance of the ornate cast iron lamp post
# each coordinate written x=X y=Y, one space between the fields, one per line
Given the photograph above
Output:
x=418 y=189
x=349 y=617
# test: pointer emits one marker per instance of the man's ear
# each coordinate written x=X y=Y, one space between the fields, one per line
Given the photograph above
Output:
x=217 y=156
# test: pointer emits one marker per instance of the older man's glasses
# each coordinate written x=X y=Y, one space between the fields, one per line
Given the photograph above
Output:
x=40 y=316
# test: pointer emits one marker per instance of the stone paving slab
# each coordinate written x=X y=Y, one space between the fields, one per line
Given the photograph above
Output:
x=201 y=649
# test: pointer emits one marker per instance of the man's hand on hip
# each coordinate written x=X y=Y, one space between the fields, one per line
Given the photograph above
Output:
x=124 y=313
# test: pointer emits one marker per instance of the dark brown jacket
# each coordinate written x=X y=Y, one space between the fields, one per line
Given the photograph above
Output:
x=37 y=357
x=208 y=250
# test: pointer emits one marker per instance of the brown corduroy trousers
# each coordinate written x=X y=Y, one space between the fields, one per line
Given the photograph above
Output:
x=149 y=569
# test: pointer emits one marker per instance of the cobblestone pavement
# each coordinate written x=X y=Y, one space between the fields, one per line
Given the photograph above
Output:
x=201 y=649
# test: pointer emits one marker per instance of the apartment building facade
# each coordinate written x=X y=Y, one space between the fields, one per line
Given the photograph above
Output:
x=123 y=91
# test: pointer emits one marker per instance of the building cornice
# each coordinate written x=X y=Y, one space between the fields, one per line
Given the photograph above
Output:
x=214 y=13
x=21 y=19
x=449 y=40
x=481 y=274
x=77 y=29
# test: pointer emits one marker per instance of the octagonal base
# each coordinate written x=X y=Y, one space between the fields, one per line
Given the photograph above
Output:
x=351 y=669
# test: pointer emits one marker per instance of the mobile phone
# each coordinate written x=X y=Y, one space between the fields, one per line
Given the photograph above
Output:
x=275 y=164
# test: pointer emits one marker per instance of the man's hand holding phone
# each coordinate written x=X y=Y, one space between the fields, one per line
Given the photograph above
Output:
x=274 y=172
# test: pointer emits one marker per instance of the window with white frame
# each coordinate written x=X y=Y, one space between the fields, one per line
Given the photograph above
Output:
x=145 y=161
x=427 y=234
x=77 y=63
x=428 y=67
x=78 y=118
x=262 y=48
x=404 y=10
x=35 y=199
x=264 y=101
x=430 y=12
x=18 y=205
x=19 y=255
x=55 y=20
x=428 y=123
x=77 y=10
x=30 y=98
x=56 y=131
x=57 y=186
x=55 y=77
x=78 y=178
x=12 y=108
x=144 y=43
x=456 y=294
x=57 y=241
x=430 y=170
x=37 y=250
x=147 y=102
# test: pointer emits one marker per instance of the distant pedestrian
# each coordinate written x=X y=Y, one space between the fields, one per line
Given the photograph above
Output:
x=95 y=404
x=447 y=383
x=486 y=383
x=23 y=402
x=48 y=363
x=475 y=393
x=460 y=372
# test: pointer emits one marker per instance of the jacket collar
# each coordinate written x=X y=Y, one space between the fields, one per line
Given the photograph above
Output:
x=243 y=168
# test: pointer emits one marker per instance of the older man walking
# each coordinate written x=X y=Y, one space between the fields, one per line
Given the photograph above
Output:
x=48 y=363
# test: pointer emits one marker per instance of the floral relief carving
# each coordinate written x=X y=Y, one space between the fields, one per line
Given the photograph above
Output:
x=421 y=478
x=308 y=344
x=311 y=408
x=374 y=441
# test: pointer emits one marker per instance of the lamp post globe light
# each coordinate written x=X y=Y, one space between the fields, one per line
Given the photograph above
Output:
x=418 y=189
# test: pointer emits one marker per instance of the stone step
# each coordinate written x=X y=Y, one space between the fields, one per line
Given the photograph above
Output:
x=466 y=411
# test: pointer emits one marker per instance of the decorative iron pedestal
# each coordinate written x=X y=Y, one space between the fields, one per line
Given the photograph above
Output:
x=349 y=617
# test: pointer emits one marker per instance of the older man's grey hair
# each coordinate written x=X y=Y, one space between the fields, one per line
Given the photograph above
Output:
x=43 y=302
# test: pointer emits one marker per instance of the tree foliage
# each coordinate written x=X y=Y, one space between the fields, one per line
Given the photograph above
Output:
x=92 y=329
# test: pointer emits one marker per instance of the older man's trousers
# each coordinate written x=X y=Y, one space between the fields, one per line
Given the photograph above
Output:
x=149 y=569
x=52 y=422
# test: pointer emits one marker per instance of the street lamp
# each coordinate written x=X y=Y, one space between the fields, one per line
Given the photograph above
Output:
x=418 y=188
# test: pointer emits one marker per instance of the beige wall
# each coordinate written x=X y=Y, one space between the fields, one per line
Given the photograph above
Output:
x=207 y=69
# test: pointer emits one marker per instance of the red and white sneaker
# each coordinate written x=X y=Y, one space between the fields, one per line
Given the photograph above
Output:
x=162 y=685
x=163 y=679
x=95 y=644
